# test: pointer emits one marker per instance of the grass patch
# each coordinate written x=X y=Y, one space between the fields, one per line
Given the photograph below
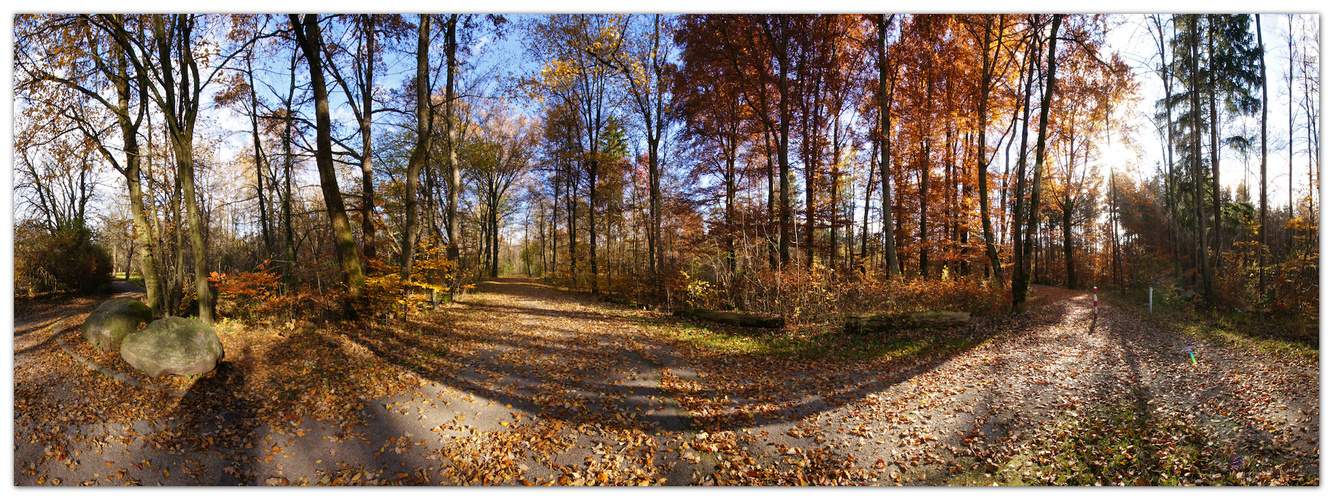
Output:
x=1285 y=337
x=1121 y=443
x=734 y=340
x=820 y=341
x=1222 y=332
x=898 y=344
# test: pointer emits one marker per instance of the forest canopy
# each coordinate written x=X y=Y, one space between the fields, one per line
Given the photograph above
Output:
x=799 y=166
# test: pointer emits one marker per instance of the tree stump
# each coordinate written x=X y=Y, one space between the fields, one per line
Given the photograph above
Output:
x=856 y=325
x=733 y=318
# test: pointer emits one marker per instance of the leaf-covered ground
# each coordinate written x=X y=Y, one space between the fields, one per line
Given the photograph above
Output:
x=521 y=384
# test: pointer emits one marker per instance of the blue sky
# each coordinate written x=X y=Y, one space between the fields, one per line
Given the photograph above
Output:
x=1135 y=43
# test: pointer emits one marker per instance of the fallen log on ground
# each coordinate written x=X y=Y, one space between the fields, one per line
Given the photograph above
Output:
x=624 y=302
x=732 y=318
x=883 y=322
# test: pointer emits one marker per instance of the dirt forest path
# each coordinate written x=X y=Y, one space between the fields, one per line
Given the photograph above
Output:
x=42 y=313
x=997 y=413
x=546 y=387
x=39 y=318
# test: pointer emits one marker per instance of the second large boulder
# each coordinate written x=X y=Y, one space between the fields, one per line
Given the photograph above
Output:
x=113 y=320
x=177 y=346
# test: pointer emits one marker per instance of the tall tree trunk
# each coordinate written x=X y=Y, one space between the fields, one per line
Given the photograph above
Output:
x=571 y=214
x=926 y=138
x=1312 y=141
x=147 y=245
x=1215 y=147
x=770 y=208
x=1263 y=164
x=287 y=162
x=654 y=126
x=1200 y=224
x=655 y=212
x=177 y=285
x=865 y=210
x=1118 y=260
x=809 y=109
x=781 y=43
x=1312 y=153
x=181 y=132
x=1067 y=228
x=1172 y=176
x=495 y=242
x=891 y=268
x=960 y=227
x=553 y=244
x=593 y=122
x=349 y=262
x=418 y=160
x=483 y=249
x=592 y=221
x=451 y=144
x=1173 y=188
x=367 y=172
x=183 y=147
x=129 y=258
x=493 y=222
x=1291 y=126
x=730 y=178
x=259 y=158
x=923 y=236
x=129 y=131
x=983 y=167
x=1115 y=232
x=1023 y=265
x=833 y=198
x=1020 y=187
x=540 y=224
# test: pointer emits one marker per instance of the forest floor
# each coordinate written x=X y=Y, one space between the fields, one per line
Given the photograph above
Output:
x=522 y=384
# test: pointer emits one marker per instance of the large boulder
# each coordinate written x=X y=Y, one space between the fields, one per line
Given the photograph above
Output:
x=173 y=345
x=113 y=320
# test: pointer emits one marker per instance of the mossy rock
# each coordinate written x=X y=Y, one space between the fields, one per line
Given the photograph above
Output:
x=176 y=346
x=108 y=325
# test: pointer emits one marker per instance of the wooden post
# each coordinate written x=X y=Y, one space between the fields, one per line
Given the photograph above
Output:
x=1094 y=303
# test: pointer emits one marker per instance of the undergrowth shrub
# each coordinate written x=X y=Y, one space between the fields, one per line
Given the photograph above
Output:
x=1295 y=288
x=64 y=258
x=563 y=279
x=823 y=294
x=1234 y=287
x=1293 y=280
x=386 y=293
x=250 y=294
x=316 y=293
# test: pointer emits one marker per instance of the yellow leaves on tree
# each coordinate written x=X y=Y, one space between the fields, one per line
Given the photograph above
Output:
x=432 y=275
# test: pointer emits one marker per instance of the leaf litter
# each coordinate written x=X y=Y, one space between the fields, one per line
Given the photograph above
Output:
x=542 y=387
